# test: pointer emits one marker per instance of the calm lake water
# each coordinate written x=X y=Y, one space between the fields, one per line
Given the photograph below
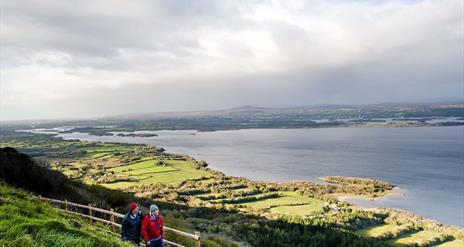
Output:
x=427 y=163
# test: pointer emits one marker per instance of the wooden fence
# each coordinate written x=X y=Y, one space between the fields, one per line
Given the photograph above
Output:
x=111 y=218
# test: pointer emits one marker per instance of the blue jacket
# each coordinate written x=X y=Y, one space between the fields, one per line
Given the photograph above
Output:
x=130 y=229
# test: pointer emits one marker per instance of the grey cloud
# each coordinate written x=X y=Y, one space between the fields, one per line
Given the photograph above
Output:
x=143 y=56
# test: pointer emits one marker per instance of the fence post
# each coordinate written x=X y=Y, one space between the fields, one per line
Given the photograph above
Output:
x=90 y=212
x=197 y=242
x=112 y=219
x=66 y=205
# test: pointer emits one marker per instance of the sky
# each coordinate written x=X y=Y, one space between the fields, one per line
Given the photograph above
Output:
x=87 y=59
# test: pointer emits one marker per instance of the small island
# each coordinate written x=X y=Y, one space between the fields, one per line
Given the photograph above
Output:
x=372 y=187
x=136 y=135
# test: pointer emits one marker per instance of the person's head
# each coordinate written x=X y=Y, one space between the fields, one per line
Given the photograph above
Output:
x=154 y=209
x=133 y=208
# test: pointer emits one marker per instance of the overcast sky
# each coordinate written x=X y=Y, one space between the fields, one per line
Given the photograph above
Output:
x=77 y=59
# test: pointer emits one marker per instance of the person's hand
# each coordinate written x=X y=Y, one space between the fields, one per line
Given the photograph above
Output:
x=148 y=242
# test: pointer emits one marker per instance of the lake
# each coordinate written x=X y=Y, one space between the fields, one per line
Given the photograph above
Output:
x=426 y=163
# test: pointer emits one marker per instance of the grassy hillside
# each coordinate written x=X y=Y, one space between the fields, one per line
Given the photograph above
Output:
x=27 y=221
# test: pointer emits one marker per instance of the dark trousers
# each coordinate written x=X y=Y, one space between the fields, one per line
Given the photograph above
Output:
x=156 y=243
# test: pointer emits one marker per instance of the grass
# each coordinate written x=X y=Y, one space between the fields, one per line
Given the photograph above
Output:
x=286 y=198
x=71 y=173
x=136 y=166
x=412 y=238
x=301 y=210
x=452 y=243
x=375 y=231
x=172 y=177
x=104 y=150
x=106 y=147
x=77 y=164
x=26 y=221
x=148 y=172
x=290 y=203
x=151 y=170
x=415 y=238
x=118 y=185
x=97 y=155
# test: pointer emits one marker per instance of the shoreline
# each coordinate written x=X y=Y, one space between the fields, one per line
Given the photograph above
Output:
x=346 y=196
x=391 y=193
x=340 y=197
x=111 y=132
x=114 y=131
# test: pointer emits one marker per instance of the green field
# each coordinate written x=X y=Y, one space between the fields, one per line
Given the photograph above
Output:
x=286 y=198
x=375 y=231
x=301 y=210
x=77 y=164
x=98 y=155
x=415 y=238
x=71 y=173
x=148 y=172
x=453 y=243
x=289 y=203
x=420 y=238
x=118 y=185
x=139 y=166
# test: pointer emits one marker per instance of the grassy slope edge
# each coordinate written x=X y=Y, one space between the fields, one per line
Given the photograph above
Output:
x=27 y=221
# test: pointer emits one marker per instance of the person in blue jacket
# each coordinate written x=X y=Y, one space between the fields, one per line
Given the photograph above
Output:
x=130 y=230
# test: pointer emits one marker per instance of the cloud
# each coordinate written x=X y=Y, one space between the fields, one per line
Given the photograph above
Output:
x=214 y=54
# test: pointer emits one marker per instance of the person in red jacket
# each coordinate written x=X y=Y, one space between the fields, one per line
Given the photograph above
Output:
x=153 y=228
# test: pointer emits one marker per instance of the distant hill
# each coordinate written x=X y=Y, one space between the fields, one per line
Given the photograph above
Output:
x=249 y=110
x=254 y=117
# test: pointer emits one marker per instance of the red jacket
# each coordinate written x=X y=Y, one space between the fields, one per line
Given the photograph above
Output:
x=152 y=228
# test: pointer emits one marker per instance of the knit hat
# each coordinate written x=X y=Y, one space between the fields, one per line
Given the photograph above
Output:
x=133 y=206
x=153 y=207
